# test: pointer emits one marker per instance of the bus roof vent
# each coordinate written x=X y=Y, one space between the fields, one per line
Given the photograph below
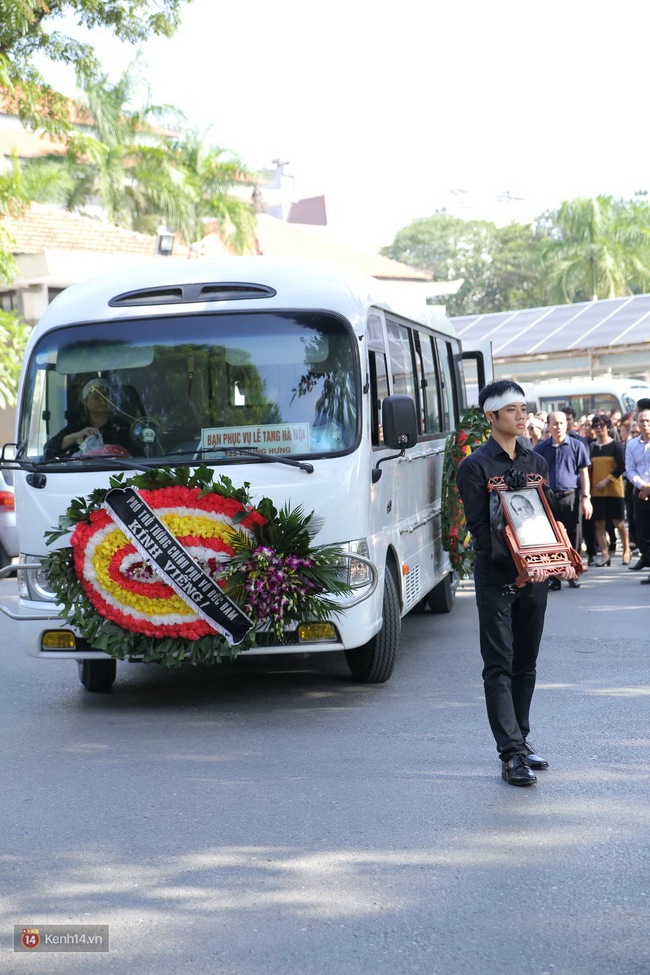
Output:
x=177 y=294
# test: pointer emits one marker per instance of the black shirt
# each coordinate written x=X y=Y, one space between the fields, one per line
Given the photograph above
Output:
x=114 y=431
x=491 y=460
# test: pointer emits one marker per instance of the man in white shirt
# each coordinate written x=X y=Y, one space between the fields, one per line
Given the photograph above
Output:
x=637 y=471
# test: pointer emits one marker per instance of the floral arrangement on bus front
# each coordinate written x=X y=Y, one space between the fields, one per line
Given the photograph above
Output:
x=472 y=431
x=262 y=558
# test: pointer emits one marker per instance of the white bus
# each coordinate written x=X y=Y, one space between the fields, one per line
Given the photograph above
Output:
x=600 y=394
x=195 y=355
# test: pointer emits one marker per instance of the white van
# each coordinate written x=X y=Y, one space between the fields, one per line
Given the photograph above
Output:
x=287 y=377
x=586 y=396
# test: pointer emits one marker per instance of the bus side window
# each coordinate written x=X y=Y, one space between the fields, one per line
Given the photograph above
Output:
x=378 y=391
x=447 y=384
x=428 y=381
x=401 y=362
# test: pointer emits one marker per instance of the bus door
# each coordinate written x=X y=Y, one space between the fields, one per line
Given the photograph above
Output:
x=415 y=370
x=477 y=368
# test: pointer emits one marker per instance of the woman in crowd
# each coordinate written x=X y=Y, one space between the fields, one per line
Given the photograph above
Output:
x=583 y=425
x=584 y=428
x=607 y=487
x=534 y=430
x=625 y=427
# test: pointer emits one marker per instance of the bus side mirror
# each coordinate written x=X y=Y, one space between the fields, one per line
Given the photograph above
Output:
x=399 y=421
x=400 y=426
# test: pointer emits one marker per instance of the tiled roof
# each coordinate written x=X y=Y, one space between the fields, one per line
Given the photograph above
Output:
x=26 y=145
x=43 y=228
x=276 y=238
x=48 y=228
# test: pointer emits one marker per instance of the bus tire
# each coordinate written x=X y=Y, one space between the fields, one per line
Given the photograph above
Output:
x=375 y=661
x=97 y=675
x=442 y=597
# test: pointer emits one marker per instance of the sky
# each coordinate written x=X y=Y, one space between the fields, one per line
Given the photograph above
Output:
x=394 y=111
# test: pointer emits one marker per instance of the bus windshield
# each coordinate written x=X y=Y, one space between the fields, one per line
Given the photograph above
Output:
x=199 y=387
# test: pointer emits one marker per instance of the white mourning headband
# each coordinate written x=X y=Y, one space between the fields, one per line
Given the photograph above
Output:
x=494 y=403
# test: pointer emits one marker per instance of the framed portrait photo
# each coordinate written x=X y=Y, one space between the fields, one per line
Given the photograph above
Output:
x=535 y=539
x=528 y=518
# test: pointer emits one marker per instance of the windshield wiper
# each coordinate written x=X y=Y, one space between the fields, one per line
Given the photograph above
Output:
x=131 y=463
x=269 y=458
x=137 y=464
x=200 y=452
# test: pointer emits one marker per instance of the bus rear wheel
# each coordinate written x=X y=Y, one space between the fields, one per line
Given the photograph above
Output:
x=97 y=675
x=375 y=661
x=441 y=599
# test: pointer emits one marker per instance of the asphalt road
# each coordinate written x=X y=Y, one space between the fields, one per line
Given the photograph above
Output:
x=280 y=819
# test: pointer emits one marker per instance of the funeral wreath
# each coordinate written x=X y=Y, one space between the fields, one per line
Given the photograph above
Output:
x=472 y=431
x=173 y=565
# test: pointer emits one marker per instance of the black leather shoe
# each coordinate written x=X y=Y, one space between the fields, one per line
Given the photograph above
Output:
x=516 y=772
x=554 y=584
x=574 y=583
x=532 y=759
x=645 y=582
x=641 y=564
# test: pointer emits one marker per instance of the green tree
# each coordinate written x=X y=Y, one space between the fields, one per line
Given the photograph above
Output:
x=597 y=247
x=498 y=265
x=28 y=28
x=448 y=247
x=13 y=339
x=12 y=201
x=122 y=164
x=140 y=175
x=513 y=278
x=209 y=175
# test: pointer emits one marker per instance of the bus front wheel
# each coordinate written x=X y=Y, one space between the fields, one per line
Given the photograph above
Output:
x=375 y=661
x=97 y=675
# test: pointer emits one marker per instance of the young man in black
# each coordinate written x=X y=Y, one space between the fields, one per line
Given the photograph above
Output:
x=511 y=618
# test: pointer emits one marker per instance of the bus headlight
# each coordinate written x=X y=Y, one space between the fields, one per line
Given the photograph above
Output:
x=34 y=584
x=357 y=573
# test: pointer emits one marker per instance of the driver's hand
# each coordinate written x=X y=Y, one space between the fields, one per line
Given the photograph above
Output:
x=87 y=432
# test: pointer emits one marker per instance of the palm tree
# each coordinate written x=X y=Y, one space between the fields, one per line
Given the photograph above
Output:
x=13 y=200
x=117 y=163
x=210 y=174
x=597 y=248
x=139 y=174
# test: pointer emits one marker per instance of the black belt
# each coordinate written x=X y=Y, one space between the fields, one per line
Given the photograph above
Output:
x=563 y=494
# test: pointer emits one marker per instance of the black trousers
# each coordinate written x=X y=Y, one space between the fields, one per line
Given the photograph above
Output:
x=511 y=622
x=567 y=512
x=642 y=526
x=629 y=510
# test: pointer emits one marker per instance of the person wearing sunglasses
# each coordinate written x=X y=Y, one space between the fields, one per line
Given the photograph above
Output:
x=608 y=488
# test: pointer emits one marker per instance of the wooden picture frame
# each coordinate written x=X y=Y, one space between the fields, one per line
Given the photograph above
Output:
x=535 y=539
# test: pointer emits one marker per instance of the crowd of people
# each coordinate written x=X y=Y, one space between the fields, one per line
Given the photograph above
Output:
x=599 y=472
